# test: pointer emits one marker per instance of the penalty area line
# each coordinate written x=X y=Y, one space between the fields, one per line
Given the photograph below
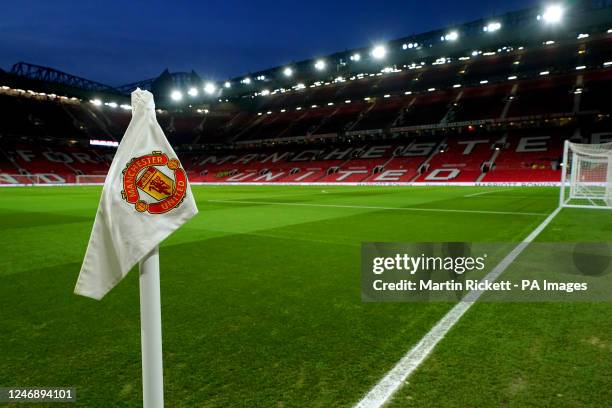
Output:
x=484 y=192
x=393 y=380
x=373 y=207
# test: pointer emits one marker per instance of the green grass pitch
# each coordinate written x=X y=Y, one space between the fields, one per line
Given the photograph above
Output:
x=261 y=303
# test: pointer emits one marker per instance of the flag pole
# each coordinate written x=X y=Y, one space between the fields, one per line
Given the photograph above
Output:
x=150 y=332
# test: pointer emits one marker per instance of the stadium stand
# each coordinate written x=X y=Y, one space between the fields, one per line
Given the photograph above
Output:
x=498 y=114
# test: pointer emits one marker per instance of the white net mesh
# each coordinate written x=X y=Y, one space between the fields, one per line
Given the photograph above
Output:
x=588 y=177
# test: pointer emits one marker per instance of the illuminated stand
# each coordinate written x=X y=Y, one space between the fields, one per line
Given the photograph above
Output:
x=586 y=180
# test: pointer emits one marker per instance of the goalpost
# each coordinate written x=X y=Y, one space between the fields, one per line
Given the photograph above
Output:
x=90 y=178
x=586 y=176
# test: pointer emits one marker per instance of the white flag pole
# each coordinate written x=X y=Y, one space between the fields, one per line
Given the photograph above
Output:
x=150 y=332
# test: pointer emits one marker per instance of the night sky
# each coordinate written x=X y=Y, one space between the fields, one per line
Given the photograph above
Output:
x=117 y=42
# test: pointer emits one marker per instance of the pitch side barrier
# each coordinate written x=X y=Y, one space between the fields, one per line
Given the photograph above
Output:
x=408 y=184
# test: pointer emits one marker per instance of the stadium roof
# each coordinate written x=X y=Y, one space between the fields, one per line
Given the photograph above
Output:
x=555 y=22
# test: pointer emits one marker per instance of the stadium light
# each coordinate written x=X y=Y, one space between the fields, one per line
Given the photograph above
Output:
x=451 y=36
x=246 y=81
x=265 y=92
x=552 y=14
x=112 y=104
x=193 y=92
x=492 y=27
x=288 y=72
x=379 y=52
x=405 y=46
x=320 y=65
x=210 y=88
x=355 y=57
x=227 y=84
x=176 y=95
x=96 y=102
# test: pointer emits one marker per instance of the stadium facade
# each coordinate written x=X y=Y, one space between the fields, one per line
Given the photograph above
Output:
x=490 y=101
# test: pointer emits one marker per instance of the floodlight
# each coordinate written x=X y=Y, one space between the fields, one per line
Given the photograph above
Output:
x=405 y=46
x=320 y=65
x=96 y=102
x=379 y=52
x=552 y=14
x=492 y=26
x=288 y=71
x=452 y=36
x=355 y=57
x=227 y=84
x=193 y=92
x=112 y=104
x=246 y=80
x=210 y=88
x=176 y=95
x=265 y=92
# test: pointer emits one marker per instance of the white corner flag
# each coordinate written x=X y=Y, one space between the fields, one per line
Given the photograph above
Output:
x=146 y=197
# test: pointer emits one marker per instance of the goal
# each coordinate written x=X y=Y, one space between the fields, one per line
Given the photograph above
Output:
x=90 y=178
x=586 y=180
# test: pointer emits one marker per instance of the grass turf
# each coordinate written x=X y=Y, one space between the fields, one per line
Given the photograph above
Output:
x=261 y=302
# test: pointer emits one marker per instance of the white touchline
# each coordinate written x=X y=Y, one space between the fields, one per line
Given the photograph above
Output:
x=370 y=207
x=393 y=380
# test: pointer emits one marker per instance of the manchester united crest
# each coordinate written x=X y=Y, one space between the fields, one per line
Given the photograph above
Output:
x=153 y=183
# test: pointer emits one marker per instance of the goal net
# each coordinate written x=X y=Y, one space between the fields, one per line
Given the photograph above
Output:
x=587 y=175
x=90 y=179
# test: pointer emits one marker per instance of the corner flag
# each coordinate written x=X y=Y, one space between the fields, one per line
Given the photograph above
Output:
x=146 y=197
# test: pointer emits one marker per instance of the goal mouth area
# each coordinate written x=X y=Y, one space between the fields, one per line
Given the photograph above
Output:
x=586 y=177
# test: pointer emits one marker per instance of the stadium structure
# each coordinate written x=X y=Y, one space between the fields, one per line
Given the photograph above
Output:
x=490 y=101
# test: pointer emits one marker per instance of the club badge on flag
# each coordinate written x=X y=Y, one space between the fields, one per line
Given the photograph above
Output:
x=146 y=197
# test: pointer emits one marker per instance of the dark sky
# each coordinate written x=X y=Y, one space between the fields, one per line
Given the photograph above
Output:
x=117 y=42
